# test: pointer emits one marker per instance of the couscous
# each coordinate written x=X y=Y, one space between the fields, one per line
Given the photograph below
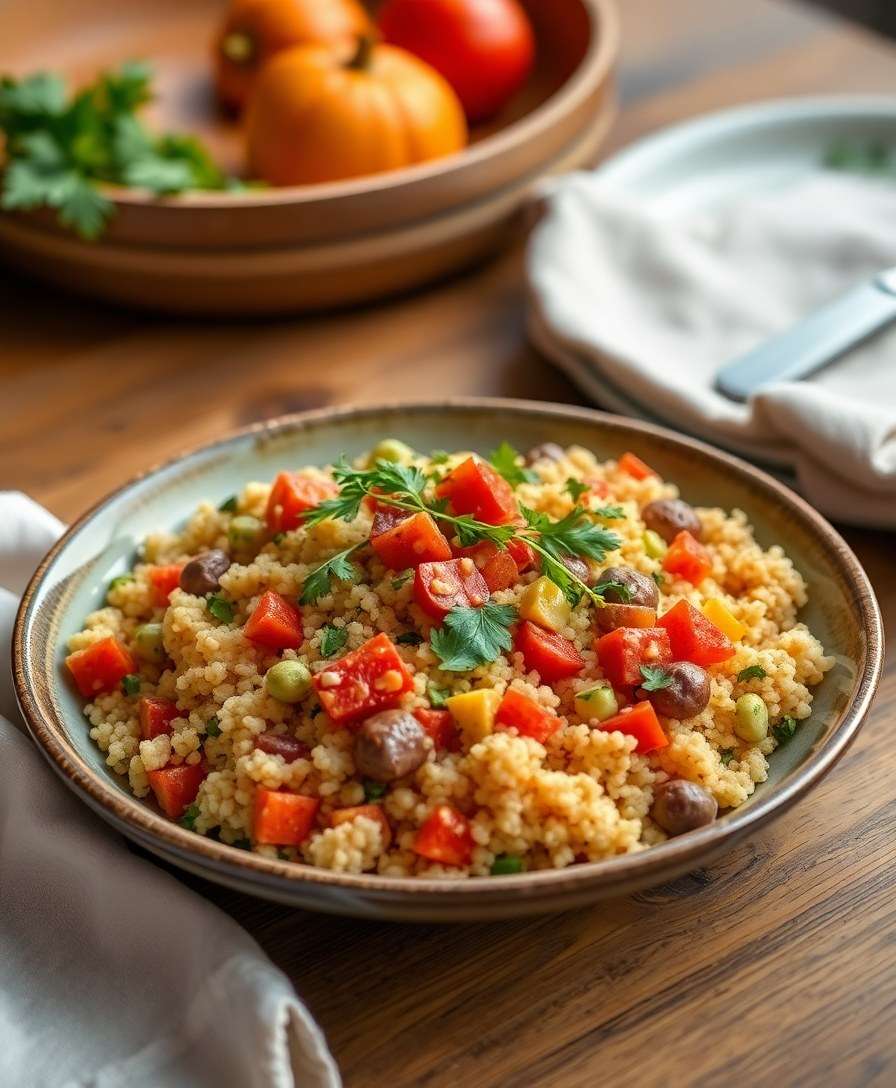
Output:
x=450 y=665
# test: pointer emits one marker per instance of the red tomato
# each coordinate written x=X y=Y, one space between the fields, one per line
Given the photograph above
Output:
x=275 y=623
x=292 y=495
x=521 y=553
x=625 y=650
x=176 y=787
x=693 y=637
x=687 y=558
x=281 y=818
x=386 y=518
x=156 y=716
x=500 y=571
x=610 y=616
x=100 y=667
x=638 y=721
x=439 y=587
x=551 y=655
x=484 y=48
x=634 y=466
x=440 y=726
x=475 y=488
x=529 y=718
x=445 y=837
x=597 y=489
x=282 y=744
x=369 y=679
x=164 y=581
x=372 y=812
x=412 y=541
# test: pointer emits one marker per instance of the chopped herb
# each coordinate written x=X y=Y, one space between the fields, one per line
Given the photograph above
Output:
x=575 y=489
x=439 y=457
x=332 y=639
x=121 y=580
x=278 y=539
x=784 y=730
x=373 y=791
x=655 y=677
x=319 y=581
x=213 y=726
x=658 y=578
x=504 y=459
x=870 y=158
x=222 y=610
x=621 y=590
x=473 y=636
x=409 y=638
x=229 y=506
x=189 y=817
x=608 y=513
x=130 y=684
x=750 y=672
x=505 y=864
x=402 y=579
x=438 y=696
x=726 y=755
x=242 y=844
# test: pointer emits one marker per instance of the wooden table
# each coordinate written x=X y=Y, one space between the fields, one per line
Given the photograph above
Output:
x=776 y=966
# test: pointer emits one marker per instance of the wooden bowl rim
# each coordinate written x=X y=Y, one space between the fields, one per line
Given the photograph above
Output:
x=112 y=802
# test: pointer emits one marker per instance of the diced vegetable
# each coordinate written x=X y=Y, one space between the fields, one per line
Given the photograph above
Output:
x=131 y=683
x=156 y=716
x=476 y=488
x=501 y=567
x=520 y=552
x=292 y=495
x=386 y=518
x=750 y=718
x=529 y=718
x=597 y=702
x=440 y=587
x=717 y=612
x=412 y=541
x=164 y=581
x=445 y=837
x=281 y=818
x=100 y=667
x=543 y=602
x=392 y=449
x=610 y=616
x=149 y=643
x=500 y=571
x=687 y=558
x=622 y=653
x=639 y=721
x=288 y=681
x=474 y=712
x=176 y=787
x=631 y=464
x=551 y=655
x=245 y=532
x=275 y=623
x=693 y=637
x=288 y=747
x=507 y=864
x=654 y=544
x=440 y=726
x=369 y=679
x=372 y=812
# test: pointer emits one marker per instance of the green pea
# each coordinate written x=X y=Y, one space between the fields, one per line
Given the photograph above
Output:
x=245 y=532
x=598 y=702
x=391 y=449
x=751 y=718
x=149 y=644
x=288 y=681
x=654 y=544
x=505 y=864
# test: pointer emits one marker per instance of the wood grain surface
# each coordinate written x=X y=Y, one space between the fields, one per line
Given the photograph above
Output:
x=776 y=966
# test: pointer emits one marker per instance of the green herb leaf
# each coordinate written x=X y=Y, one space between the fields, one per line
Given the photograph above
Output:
x=409 y=638
x=332 y=639
x=659 y=578
x=784 y=730
x=507 y=864
x=726 y=755
x=504 y=459
x=473 y=636
x=750 y=672
x=188 y=820
x=278 y=539
x=620 y=589
x=402 y=579
x=121 y=580
x=373 y=791
x=438 y=696
x=575 y=534
x=608 y=513
x=130 y=684
x=229 y=506
x=319 y=581
x=575 y=489
x=213 y=726
x=655 y=677
x=220 y=608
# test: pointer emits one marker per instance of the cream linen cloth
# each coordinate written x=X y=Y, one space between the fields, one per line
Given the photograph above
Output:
x=626 y=296
x=111 y=972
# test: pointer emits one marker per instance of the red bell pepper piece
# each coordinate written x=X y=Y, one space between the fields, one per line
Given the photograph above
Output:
x=638 y=721
x=610 y=616
x=176 y=787
x=281 y=818
x=275 y=623
x=156 y=716
x=164 y=581
x=372 y=812
x=597 y=488
x=475 y=488
x=369 y=679
x=622 y=653
x=439 y=587
x=529 y=718
x=500 y=571
x=693 y=637
x=440 y=726
x=631 y=464
x=687 y=558
x=100 y=667
x=445 y=837
x=292 y=495
x=551 y=655
x=412 y=541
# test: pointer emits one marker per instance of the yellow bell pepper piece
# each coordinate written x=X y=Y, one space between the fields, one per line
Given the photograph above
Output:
x=474 y=712
x=717 y=612
x=544 y=603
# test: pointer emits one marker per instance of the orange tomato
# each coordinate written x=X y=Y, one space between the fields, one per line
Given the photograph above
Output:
x=319 y=115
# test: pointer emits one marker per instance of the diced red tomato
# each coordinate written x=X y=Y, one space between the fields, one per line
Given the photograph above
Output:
x=597 y=489
x=475 y=488
x=687 y=558
x=521 y=553
x=176 y=787
x=445 y=837
x=369 y=679
x=440 y=726
x=372 y=812
x=275 y=623
x=610 y=616
x=292 y=495
x=500 y=571
x=282 y=744
x=439 y=587
x=164 y=581
x=412 y=541
x=529 y=718
x=156 y=716
x=553 y=656
x=385 y=517
x=100 y=667
x=639 y=721
x=693 y=637
x=281 y=818
x=622 y=653
x=631 y=464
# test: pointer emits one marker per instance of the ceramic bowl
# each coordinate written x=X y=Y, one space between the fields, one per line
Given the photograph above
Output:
x=181 y=253
x=71 y=582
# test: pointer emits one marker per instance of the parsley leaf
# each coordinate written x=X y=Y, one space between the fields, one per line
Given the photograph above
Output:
x=473 y=636
x=608 y=513
x=373 y=791
x=319 y=581
x=575 y=489
x=213 y=726
x=750 y=672
x=409 y=638
x=620 y=589
x=726 y=755
x=504 y=459
x=575 y=534
x=332 y=639
x=402 y=578
x=220 y=608
x=130 y=684
x=655 y=677
x=784 y=730
x=229 y=506
x=438 y=696
x=189 y=817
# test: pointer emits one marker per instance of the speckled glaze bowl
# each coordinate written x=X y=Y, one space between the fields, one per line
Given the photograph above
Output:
x=71 y=582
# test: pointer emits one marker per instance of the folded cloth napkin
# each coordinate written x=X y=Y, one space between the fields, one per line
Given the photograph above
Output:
x=112 y=973
x=629 y=298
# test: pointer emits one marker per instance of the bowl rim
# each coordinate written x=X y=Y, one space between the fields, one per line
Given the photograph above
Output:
x=121 y=808
x=593 y=69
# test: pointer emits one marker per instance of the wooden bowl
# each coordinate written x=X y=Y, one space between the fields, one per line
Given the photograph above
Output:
x=71 y=582
x=557 y=121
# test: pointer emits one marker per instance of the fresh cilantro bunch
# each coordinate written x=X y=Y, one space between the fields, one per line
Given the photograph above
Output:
x=60 y=149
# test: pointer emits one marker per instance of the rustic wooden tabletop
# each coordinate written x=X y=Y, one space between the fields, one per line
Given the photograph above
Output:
x=778 y=965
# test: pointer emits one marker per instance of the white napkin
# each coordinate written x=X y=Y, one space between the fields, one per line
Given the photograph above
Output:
x=111 y=972
x=628 y=297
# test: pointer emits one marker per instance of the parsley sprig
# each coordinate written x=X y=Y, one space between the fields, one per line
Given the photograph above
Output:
x=320 y=580
x=504 y=460
x=473 y=636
